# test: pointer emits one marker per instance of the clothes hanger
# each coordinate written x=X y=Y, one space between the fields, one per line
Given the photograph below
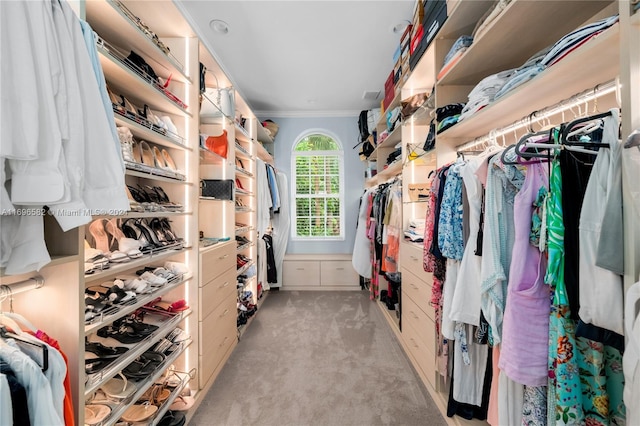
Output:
x=525 y=143
x=17 y=334
x=633 y=139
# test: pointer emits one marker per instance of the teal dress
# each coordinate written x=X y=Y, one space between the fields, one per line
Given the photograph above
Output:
x=565 y=392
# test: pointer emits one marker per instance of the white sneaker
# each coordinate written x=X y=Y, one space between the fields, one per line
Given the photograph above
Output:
x=153 y=279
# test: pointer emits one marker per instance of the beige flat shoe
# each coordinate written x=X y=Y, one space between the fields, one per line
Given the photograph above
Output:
x=139 y=412
x=118 y=389
x=95 y=413
x=182 y=403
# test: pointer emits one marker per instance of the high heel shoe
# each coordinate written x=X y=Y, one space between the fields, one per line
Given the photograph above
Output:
x=146 y=154
x=149 y=234
x=171 y=236
x=126 y=143
x=169 y=163
x=159 y=160
x=100 y=236
x=128 y=246
x=134 y=205
x=164 y=200
x=131 y=230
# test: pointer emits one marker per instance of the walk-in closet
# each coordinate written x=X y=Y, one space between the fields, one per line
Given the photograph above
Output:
x=432 y=206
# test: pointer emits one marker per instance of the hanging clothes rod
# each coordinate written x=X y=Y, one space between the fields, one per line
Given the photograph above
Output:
x=560 y=107
x=7 y=290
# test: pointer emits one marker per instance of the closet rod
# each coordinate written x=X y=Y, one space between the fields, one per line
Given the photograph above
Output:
x=562 y=106
x=8 y=290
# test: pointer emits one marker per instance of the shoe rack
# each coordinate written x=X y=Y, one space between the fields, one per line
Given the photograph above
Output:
x=162 y=165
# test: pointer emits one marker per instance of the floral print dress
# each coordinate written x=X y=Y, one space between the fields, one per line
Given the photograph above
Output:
x=565 y=392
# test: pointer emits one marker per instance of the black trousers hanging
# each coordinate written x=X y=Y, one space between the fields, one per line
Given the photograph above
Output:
x=272 y=272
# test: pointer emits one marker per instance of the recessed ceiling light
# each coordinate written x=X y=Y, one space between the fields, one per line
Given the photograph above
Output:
x=400 y=27
x=219 y=26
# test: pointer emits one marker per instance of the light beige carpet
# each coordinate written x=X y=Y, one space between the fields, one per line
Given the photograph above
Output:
x=321 y=359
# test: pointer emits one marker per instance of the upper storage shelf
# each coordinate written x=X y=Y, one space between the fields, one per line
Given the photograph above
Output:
x=124 y=80
x=118 y=27
x=263 y=136
x=461 y=20
x=523 y=28
x=595 y=62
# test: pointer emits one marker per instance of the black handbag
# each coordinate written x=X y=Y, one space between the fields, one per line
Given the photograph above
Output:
x=430 y=142
x=216 y=188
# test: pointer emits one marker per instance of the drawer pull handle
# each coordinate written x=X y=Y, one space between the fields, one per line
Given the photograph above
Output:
x=224 y=341
x=339 y=269
x=226 y=311
x=299 y=269
x=223 y=257
x=224 y=285
x=414 y=315
x=413 y=285
x=414 y=343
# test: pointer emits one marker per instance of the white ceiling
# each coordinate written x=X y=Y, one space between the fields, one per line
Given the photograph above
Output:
x=303 y=57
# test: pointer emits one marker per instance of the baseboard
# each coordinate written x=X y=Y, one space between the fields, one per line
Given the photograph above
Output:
x=320 y=288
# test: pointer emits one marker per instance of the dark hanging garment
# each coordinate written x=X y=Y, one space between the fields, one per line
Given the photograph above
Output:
x=576 y=168
x=272 y=272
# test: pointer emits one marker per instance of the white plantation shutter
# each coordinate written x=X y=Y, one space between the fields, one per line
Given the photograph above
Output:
x=317 y=181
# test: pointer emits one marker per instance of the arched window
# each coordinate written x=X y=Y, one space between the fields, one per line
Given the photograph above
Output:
x=317 y=165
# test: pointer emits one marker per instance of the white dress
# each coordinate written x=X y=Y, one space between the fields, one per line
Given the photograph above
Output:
x=601 y=291
x=361 y=257
x=465 y=306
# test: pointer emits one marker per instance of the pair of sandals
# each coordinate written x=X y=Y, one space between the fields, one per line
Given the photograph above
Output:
x=144 y=366
x=127 y=330
x=98 y=356
x=153 y=198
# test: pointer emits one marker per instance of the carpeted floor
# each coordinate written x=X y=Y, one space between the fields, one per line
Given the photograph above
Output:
x=321 y=359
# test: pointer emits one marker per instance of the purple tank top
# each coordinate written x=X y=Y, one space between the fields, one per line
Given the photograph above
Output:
x=525 y=335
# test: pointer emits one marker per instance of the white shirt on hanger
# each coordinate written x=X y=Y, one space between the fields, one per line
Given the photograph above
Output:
x=39 y=397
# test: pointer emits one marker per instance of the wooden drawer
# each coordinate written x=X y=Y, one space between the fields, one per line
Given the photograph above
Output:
x=216 y=326
x=217 y=260
x=411 y=259
x=420 y=353
x=419 y=322
x=209 y=364
x=215 y=291
x=296 y=273
x=418 y=291
x=338 y=272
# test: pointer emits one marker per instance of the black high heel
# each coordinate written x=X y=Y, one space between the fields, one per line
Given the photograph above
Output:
x=149 y=233
x=169 y=232
x=156 y=227
x=131 y=230
x=164 y=199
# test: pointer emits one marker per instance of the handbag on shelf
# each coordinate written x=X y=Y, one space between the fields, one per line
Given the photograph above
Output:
x=218 y=144
x=411 y=105
x=217 y=188
x=218 y=102
x=418 y=191
x=430 y=142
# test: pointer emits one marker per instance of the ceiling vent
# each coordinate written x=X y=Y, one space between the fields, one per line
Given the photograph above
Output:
x=371 y=95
